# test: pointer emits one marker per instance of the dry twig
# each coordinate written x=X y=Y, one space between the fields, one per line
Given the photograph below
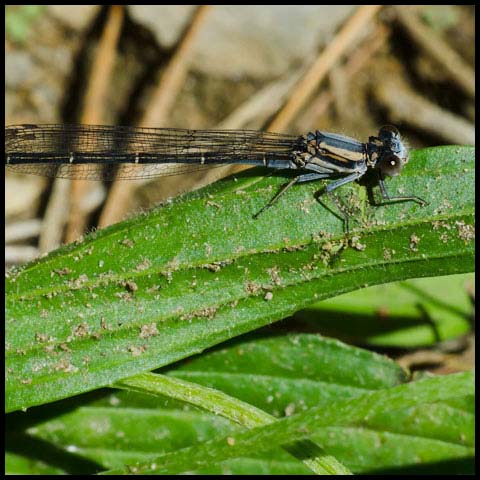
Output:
x=93 y=113
x=329 y=56
x=169 y=87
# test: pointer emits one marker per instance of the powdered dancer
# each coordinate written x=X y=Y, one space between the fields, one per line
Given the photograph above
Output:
x=58 y=150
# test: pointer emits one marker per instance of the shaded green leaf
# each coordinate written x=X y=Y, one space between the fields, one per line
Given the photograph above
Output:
x=23 y=465
x=302 y=425
x=283 y=376
x=412 y=313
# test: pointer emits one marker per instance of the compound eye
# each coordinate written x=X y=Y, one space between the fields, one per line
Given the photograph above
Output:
x=388 y=132
x=391 y=165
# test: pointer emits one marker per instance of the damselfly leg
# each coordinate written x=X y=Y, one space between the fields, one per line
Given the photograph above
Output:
x=402 y=198
x=334 y=185
x=307 y=177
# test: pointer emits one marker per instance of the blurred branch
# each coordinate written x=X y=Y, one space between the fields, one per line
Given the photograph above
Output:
x=171 y=82
x=55 y=216
x=409 y=107
x=429 y=41
x=174 y=75
x=22 y=230
x=329 y=56
x=93 y=113
x=19 y=254
x=256 y=109
x=103 y=65
x=357 y=60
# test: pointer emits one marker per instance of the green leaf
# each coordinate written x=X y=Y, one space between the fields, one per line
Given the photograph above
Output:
x=291 y=374
x=407 y=314
x=19 y=21
x=23 y=465
x=283 y=376
x=342 y=412
x=162 y=286
x=239 y=412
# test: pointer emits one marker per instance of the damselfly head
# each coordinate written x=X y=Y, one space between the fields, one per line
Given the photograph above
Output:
x=395 y=153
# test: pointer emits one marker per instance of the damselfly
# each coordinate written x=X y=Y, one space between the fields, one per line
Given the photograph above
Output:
x=96 y=152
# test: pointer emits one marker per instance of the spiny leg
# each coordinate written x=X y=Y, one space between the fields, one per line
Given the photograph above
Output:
x=334 y=185
x=402 y=198
x=307 y=177
x=339 y=212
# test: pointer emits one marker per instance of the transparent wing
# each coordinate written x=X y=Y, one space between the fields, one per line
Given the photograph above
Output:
x=106 y=171
x=98 y=152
